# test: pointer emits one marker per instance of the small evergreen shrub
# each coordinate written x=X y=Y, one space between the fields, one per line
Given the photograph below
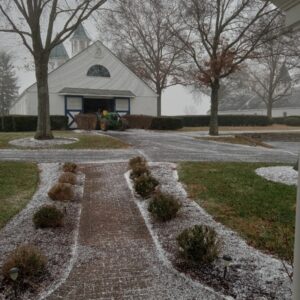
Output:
x=48 y=216
x=199 y=244
x=145 y=185
x=70 y=167
x=28 y=259
x=164 y=207
x=61 y=192
x=139 y=170
x=138 y=160
x=68 y=177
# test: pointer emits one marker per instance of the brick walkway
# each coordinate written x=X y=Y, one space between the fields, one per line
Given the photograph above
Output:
x=117 y=257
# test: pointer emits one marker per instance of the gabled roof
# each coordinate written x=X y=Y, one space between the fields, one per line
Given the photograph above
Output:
x=80 y=34
x=97 y=43
x=96 y=92
x=59 y=51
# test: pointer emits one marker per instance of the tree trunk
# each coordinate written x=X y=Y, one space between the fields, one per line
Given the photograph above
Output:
x=158 y=102
x=43 y=131
x=213 y=126
x=269 y=110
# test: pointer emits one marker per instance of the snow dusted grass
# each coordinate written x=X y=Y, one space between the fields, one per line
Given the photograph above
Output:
x=63 y=140
x=58 y=244
x=283 y=174
x=252 y=275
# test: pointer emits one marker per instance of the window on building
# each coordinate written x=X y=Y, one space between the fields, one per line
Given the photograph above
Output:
x=98 y=71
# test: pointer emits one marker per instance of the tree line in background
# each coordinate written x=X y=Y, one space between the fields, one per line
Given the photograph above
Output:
x=193 y=42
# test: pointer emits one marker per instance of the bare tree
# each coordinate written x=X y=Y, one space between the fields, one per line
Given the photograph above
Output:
x=218 y=36
x=139 y=33
x=42 y=25
x=271 y=77
x=8 y=84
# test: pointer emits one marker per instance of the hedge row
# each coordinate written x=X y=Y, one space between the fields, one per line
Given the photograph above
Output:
x=225 y=120
x=154 y=123
x=29 y=123
x=290 y=120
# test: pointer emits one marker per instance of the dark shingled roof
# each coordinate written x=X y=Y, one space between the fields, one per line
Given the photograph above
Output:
x=80 y=33
x=59 y=51
x=95 y=92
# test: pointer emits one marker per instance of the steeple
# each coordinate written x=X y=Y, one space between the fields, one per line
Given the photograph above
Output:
x=80 y=40
x=58 y=56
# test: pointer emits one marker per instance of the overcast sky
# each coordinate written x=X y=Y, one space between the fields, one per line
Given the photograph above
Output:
x=176 y=100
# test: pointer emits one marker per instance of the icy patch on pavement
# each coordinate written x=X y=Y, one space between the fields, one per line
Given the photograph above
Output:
x=34 y=143
x=252 y=275
x=282 y=174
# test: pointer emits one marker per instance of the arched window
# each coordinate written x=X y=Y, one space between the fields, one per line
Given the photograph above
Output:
x=98 y=71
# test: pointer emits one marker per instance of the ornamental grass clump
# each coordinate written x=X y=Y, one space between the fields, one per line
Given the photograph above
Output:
x=29 y=260
x=199 y=244
x=70 y=167
x=48 y=217
x=139 y=170
x=164 y=207
x=61 y=192
x=145 y=185
x=68 y=177
x=138 y=160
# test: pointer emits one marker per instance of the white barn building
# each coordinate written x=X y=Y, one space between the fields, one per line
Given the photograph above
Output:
x=93 y=79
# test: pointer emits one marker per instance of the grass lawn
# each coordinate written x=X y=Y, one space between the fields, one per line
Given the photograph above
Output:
x=18 y=182
x=86 y=141
x=261 y=211
x=239 y=140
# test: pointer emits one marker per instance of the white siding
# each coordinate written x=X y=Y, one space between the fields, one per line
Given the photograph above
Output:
x=73 y=74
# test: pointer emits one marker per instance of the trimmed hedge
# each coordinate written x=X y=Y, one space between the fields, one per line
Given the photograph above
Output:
x=166 y=123
x=154 y=123
x=225 y=120
x=15 y=123
x=290 y=120
x=139 y=121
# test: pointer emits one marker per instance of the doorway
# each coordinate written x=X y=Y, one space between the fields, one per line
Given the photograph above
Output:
x=96 y=105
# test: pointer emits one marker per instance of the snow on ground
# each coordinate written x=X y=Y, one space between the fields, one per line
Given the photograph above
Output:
x=56 y=243
x=252 y=274
x=282 y=174
x=34 y=143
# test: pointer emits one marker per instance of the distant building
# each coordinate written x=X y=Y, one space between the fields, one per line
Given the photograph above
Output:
x=292 y=10
x=93 y=79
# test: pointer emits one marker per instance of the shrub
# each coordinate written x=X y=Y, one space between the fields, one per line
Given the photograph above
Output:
x=292 y=121
x=145 y=185
x=28 y=259
x=225 y=120
x=28 y=123
x=166 y=123
x=199 y=244
x=61 y=192
x=138 y=160
x=139 y=170
x=70 y=167
x=139 y=121
x=164 y=207
x=48 y=216
x=68 y=177
x=86 y=121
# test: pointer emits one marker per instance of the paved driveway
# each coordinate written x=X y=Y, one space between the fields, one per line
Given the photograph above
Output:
x=160 y=146
x=180 y=146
